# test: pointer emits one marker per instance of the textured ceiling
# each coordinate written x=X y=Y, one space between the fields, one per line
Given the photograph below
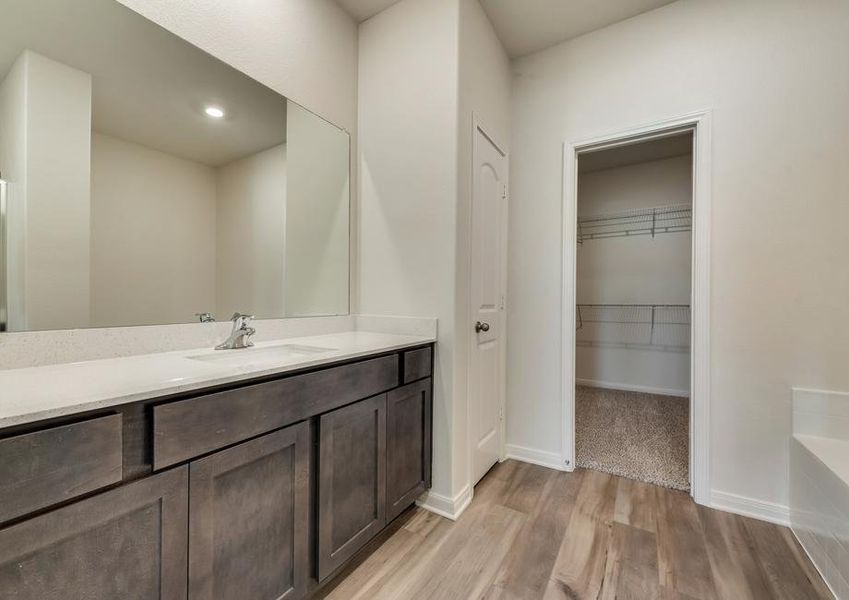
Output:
x=364 y=9
x=148 y=85
x=525 y=26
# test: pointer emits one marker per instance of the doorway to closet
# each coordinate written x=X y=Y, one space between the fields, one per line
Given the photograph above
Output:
x=633 y=289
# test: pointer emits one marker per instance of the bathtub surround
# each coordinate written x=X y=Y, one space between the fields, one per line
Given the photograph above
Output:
x=819 y=482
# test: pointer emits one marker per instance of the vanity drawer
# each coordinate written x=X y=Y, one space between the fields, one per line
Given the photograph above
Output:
x=188 y=428
x=46 y=467
x=417 y=364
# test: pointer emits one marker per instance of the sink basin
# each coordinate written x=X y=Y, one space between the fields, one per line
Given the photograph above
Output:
x=261 y=356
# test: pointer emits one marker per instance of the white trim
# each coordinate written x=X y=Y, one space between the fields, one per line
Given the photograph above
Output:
x=751 y=507
x=543 y=458
x=700 y=122
x=627 y=387
x=450 y=508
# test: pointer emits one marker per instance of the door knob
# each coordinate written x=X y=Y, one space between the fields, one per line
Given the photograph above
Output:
x=481 y=327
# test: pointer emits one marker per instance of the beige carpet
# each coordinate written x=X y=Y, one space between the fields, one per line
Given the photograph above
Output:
x=634 y=435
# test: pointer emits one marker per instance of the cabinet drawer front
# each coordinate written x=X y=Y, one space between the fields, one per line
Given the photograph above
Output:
x=46 y=467
x=417 y=364
x=129 y=542
x=185 y=429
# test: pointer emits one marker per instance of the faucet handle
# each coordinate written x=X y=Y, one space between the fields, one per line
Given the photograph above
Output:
x=239 y=316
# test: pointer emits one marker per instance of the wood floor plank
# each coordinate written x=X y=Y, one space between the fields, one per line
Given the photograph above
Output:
x=683 y=564
x=423 y=522
x=582 y=535
x=525 y=571
x=579 y=568
x=469 y=567
x=405 y=574
x=526 y=487
x=631 y=570
x=736 y=573
x=360 y=583
x=784 y=568
x=635 y=504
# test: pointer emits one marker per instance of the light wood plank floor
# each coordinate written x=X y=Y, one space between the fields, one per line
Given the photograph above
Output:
x=532 y=532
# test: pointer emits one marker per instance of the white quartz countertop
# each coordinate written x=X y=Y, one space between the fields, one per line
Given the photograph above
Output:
x=38 y=393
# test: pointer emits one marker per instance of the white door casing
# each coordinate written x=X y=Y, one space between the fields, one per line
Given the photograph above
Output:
x=700 y=124
x=487 y=322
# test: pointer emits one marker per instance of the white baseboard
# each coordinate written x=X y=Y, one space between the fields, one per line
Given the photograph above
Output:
x=450 y=508
x=751 y=507
x=627 y=387
x=542 y=458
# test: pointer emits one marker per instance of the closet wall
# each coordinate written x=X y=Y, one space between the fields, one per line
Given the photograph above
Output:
x=618 y=347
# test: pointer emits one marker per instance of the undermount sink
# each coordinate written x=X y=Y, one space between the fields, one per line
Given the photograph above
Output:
x=263 y=355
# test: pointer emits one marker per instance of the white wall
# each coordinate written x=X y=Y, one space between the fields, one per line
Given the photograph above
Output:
x=250 y=243
x=408 y=200
x=775 y=74
x=304 y=49
x=425 y=67
x=13 y=168
x=317 y=216
x=153 y=228
x=46 y=158
x=635 y=270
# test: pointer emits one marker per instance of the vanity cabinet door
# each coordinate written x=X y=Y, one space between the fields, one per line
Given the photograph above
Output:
x=248 y=523
x=129 y=542
x=408 y=445
x=351 y=480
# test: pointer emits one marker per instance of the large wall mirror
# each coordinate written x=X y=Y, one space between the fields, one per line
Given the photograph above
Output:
x=146 y=182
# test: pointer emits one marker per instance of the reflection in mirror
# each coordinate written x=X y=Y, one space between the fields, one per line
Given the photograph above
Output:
x=146 y=182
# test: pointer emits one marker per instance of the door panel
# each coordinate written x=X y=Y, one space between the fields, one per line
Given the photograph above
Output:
x=351 y=480
x=129 y=542
x=408 y=438
x=486 y=376
x=248 y=525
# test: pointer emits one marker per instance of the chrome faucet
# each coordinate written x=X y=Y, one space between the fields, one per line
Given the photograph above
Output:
x=241 y=334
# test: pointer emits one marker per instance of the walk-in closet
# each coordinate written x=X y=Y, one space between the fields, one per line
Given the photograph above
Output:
x=632 y=355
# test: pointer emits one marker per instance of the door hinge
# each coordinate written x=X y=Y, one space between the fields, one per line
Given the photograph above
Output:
x=504 y=193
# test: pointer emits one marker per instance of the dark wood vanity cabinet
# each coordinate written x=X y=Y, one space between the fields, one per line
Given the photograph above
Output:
x=374 y=461
x=408 y=445
x=248 y=519
x=258 y=491
x=351 y=480
x=129 y=542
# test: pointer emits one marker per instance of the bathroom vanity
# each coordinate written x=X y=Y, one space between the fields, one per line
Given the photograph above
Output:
x=261 y=487
x=184 y=191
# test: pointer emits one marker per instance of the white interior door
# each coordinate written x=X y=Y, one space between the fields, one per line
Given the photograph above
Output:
x=486 y=376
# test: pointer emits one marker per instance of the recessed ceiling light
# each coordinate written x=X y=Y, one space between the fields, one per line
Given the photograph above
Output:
x=214 y=112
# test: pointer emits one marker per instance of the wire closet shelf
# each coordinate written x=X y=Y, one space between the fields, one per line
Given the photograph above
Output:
x=640 y=221
x=647 y=325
